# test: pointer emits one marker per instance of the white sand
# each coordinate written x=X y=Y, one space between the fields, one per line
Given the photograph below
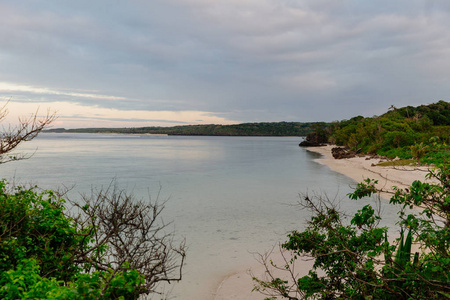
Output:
x=239 y=285
x=360 y=168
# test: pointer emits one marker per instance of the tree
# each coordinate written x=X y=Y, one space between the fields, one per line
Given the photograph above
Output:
x=357 y=261
x=13 y=136
x=418 y=151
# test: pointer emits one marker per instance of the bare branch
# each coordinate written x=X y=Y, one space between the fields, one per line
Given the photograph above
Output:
x=129 y=234
x=12 y=136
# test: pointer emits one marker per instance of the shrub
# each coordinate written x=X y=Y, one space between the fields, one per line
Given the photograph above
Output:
x=356 y=261
x=113 y=247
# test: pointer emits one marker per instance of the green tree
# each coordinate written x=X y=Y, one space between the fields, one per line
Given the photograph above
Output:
x=418 y=151
x=356 y=260
x=393 y=133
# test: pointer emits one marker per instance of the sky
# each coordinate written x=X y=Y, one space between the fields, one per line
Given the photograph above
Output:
x=134 y=63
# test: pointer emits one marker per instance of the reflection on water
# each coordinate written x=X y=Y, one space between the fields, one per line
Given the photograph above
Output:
x=229 y=196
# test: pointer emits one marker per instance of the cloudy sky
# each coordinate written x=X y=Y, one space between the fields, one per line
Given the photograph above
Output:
x=166 y=62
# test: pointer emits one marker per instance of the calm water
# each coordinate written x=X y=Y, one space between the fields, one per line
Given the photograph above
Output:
x=228 y=196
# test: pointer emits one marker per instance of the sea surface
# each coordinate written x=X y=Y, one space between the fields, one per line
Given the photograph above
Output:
x=229 y=197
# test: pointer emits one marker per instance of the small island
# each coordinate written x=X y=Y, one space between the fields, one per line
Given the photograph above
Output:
x=244 y=129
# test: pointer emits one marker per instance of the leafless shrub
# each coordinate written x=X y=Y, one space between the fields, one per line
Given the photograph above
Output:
x=129 y=234
x=12 y=136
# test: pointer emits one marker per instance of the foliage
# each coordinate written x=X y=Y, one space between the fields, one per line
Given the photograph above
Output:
x=33 y=226
x=397 y=163
x=356 y=260
x=25 y=282
x=418 y=151
x=407 y=132
x=113 y=247
x=318 y=136
x=246 y=129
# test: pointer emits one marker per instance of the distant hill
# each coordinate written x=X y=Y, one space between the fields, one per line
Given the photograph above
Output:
x=397 y=133
x=245 y=129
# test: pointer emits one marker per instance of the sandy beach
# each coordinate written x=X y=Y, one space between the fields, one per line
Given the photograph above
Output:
x=239 y=285
x=360 y=168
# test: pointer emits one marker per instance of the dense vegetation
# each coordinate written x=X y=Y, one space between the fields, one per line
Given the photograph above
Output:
x=246 y=129
x=356 y=258
x=401 y=132
x=110 y=246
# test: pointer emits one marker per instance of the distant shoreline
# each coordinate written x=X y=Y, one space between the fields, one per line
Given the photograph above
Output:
x=111 y=133
x=167 y=134
x=297 y=129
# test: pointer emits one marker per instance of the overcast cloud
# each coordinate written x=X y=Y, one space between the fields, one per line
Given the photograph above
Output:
x=165 y=62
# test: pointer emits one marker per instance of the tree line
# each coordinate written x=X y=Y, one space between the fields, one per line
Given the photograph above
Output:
x=245 y=129
x=407 y=132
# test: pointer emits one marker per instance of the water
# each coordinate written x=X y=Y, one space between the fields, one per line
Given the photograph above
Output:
x=228 y=196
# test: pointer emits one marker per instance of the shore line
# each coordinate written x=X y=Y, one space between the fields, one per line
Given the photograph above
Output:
x=361 y=168
x=238 y=285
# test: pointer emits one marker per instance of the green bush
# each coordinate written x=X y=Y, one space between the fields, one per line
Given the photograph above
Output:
x=25 y=282
x=355 y=260
x=393 y=133
x=33 y=226
x=46 y=254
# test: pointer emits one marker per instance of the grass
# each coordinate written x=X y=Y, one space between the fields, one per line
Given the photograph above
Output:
x=398 y=163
